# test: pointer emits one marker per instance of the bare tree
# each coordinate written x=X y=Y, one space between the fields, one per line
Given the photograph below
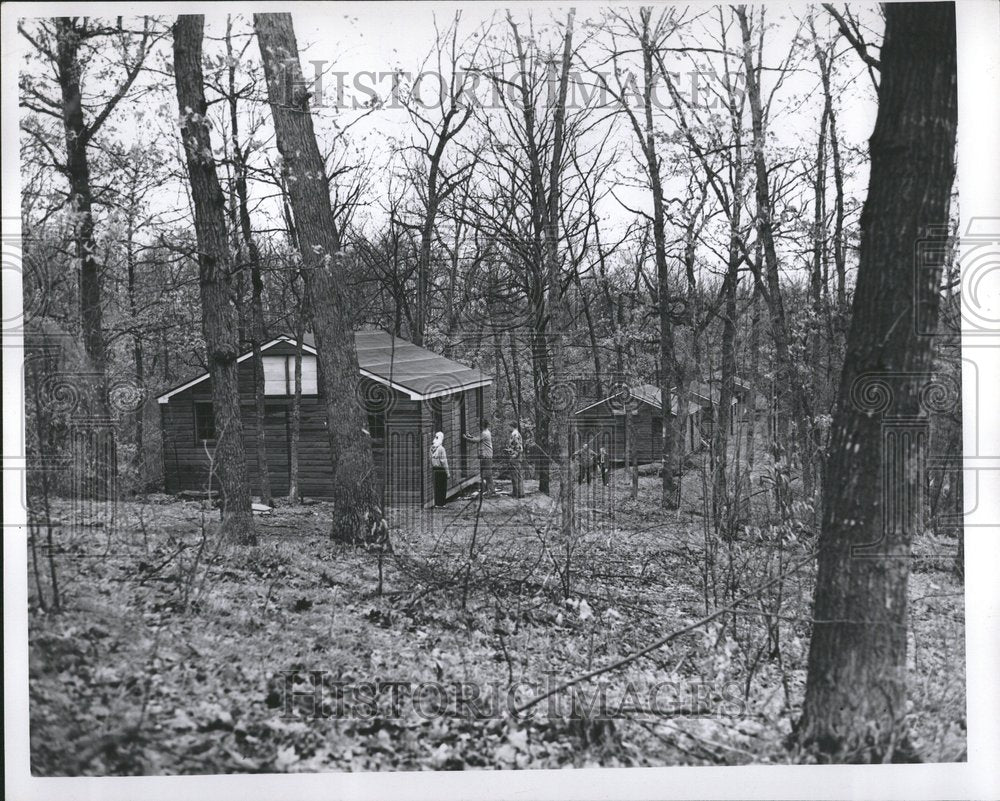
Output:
x=249 y=253
x=355 y=482
x=63 y=42
x=855 y=703
x=429 y=172
x=219 y=323
x=790 y=379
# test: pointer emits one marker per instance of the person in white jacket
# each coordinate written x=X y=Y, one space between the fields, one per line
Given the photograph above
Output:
x=439 y=469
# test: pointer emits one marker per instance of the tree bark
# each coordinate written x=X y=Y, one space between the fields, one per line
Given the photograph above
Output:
x=855 y=702
x=294 y=493
x=720 y=488
x=355 y=483
x=219 y=322
x=81 y=200
x=667 y=356
x=244 y=234
x=788 y=375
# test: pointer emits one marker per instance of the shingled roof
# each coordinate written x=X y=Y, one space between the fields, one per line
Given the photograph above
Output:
x=420 y=372
x=397 y=363
x=645 y=393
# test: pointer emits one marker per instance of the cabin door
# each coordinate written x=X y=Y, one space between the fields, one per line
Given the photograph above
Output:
x=463 y=429
x=278 y=430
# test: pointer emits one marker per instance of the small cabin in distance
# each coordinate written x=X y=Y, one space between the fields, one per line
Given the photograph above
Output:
x=602 y=424
x=410 y=393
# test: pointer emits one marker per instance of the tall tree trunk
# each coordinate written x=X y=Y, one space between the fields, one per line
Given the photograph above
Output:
x=667 y=356
x=219 y=321
x=517 y=401
x=541 y=374
x=856 y=685
x=754 y=381
x=558 y=303
x=727 y=386
x=595 y=348
x=788 y=377
x=81 y=201
x=809 y=453
x=137 y=354
x=355 y=484
x=497 y=369
x=294 y=493
x=248 y=246
x=424 y=259
x=825 y=59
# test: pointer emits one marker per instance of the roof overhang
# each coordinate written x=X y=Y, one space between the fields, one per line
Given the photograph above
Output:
x=619 y=411
x=411 y=394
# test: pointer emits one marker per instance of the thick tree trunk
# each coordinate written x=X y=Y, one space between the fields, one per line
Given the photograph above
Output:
x=855 y=702
x=81 y=199
x=219 y=323
x=354 y=481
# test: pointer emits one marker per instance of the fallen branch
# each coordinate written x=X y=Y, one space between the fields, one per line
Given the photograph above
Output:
x=664 y=640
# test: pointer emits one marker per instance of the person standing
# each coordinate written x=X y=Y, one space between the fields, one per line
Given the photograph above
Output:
x=439 y=469
x=485 y=440
x=602 y=464
x=588 y=461
x=515 y=451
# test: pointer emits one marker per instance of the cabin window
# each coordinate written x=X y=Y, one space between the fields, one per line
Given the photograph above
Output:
x=204 y=421
x=657 y=426
x=279 y=375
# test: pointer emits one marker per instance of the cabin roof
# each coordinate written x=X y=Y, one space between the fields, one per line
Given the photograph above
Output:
x=393 y=362
x=644 y=393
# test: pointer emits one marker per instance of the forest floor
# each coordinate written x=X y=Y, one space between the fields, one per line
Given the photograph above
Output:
x=173 y=655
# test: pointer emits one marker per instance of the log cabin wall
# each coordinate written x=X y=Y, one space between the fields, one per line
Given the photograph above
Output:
x=401 y=430
x=604 y=425
x=454 y=415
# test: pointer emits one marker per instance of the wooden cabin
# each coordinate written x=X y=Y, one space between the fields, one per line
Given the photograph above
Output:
x=409 y=392
x=707 y=396
x=602 y=424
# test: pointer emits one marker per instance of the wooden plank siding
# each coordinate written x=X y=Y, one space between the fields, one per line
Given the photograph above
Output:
x=445 y=414
x=602 y=425
x=401 y=452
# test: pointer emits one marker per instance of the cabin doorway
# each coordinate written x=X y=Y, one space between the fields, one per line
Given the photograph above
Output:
x=278 y=433
x=463 y=429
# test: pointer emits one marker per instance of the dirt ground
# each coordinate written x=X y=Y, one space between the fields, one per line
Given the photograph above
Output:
x=173 y=654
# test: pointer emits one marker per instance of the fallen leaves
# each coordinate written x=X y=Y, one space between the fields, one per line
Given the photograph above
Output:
x=205 y=690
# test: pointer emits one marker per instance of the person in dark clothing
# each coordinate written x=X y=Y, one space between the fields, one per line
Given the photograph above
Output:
x=485 y=440
x=602 y=464
x=588 y=461
x=439 y=469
